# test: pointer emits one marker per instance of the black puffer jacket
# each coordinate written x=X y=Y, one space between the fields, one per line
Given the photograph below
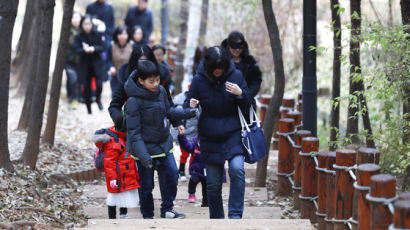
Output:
x=120 y=96
x=147 y=123
x=249 y=68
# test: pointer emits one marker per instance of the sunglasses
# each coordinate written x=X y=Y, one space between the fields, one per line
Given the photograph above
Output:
x=236 y=46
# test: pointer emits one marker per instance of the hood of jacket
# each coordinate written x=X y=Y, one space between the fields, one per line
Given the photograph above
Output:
x=212 y=79
x=134 y=89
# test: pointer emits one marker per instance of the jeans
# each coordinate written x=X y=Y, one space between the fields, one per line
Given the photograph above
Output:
x=168 y=181
x=236 y=192
x=72 y=83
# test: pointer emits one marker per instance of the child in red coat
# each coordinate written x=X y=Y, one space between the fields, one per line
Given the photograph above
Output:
x=121 y=173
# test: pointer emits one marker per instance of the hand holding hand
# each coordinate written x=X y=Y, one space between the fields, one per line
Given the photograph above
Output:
x=193 y=103
x=233 y=88
x=181 y=130
x=113 y=71
x=113 y=184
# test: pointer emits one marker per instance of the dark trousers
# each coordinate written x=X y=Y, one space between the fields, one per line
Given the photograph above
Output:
x=72 y=85
x=114 y=84
x=112 y=212
x=87 y=88
x=193 y=182
x=168 y=181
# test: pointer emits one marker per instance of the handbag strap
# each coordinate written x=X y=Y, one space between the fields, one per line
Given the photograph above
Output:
x=253 y=117
x=243 y=121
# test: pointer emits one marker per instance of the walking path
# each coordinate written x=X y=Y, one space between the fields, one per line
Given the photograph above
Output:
x=258 y=212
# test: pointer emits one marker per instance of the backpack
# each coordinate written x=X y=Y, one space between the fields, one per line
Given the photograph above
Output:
x=100 y=138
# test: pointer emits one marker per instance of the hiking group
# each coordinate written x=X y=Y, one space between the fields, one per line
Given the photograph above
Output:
x=148 y=118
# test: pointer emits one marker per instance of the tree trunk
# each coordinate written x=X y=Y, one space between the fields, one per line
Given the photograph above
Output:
x=164 y=22
x=8 y=14
x=28 y=64
x=337 y=51
x=354 y=85
x=31 y=76
x=49 y=132
x=204 y=22
x=390 y=23
x=27 y=39
x=25 y=31
x=366 y=120
x=276 y=101
x=179 y=62
x=375 y=12
x=405 y=14
x=31 y=149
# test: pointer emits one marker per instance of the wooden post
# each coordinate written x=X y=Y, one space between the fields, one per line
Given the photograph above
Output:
x=309 y=178
x=404 y=196
x=285 y=155
x=330 y=190
x=401 y=218
x=344 y=187
x=382 y=191
x=298 y=118
x=299 y=106
x=362 y=187
x=321 y=189
x=364 y=155
x=287 y=105
x=367 y=155
x=297 y=177
x=264 y=100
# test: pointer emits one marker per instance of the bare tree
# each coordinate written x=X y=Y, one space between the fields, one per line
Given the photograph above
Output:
x=164 y=21
x=179 y=62
x=204 y=22
x=337 y=51
x=8 y=14
x=352 y=129
x=22 y=45
x=405 y=14
x=30 y=76
x=49 y=132
x=274 y=105
x=31 y=149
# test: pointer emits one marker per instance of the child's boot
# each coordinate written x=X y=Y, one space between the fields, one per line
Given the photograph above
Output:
x=191 y=198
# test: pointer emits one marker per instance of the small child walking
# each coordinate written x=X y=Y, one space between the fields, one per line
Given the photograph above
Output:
x=121 y=174
x=196 y=167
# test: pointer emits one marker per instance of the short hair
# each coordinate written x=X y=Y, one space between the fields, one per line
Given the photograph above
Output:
x=158 y=46
x=147 y=69
x=118 y=31
x=236 y=37
x=216 y=57
x=137 y=52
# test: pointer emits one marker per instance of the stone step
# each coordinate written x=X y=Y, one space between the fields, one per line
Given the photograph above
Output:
x=213 y=224
x=192 y=211
x=251 y=193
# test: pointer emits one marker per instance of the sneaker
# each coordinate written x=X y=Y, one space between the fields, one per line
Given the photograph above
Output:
x=182 y=176
x=191 y=198
x=171 y=214
x=124 y=216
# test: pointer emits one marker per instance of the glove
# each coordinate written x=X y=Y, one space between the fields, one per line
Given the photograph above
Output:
x=147 y=163
x=113 y=184
x=192 y=112
x=119 y=123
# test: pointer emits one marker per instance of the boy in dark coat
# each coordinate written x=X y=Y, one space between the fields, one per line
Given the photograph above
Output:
x=149 y=140
x=142 y=16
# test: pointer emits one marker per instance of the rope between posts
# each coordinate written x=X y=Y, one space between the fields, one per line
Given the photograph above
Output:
x=391 y=227
x=348 y=169
x=361 y=187
x=386 y=201
x=299 y=125
x=315 y=203
x=311 y=198
x=321 y=214
x=285 y=108
x=296 y=187
x=333 y=172
x=351 y=220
